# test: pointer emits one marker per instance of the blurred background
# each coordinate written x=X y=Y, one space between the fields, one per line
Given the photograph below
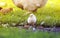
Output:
x=49 y=15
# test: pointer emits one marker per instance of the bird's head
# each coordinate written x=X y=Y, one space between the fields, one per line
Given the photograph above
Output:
x=31 y=15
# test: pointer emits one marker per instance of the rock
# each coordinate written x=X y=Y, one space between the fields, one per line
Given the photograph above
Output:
x=26 y=26
x=29 y=5
x=6 y=10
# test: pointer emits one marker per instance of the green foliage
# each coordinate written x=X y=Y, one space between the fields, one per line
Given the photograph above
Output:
x=50 y=13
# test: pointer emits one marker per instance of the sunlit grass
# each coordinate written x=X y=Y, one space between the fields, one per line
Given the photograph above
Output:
x=50 y=13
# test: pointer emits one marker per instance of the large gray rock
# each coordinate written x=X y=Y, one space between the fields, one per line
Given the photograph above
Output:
x=30 y=5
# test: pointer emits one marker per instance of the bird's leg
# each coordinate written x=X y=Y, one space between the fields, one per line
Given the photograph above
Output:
x=33 y=27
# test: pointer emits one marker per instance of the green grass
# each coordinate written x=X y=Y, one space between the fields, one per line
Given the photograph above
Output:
x=16 y=33
x=51 y=9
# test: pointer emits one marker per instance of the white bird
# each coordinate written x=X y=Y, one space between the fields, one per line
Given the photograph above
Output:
x=32 y=20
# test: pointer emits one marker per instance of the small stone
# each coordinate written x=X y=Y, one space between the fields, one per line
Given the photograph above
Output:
x=34 y=29
x=26 y=26
x=42 y=22
x=13 y=24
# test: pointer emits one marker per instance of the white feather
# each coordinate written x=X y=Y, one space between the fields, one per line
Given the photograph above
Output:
x=32 y=18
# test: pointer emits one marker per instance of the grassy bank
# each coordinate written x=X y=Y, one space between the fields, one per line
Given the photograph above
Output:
x=50 y=13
